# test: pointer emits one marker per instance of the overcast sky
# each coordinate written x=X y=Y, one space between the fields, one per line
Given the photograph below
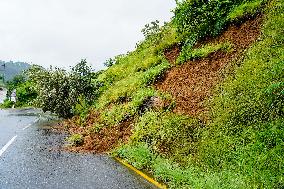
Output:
x=61 y=32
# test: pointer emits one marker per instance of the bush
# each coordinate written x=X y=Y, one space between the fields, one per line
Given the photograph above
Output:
x=60 y=91
x=7 y=104
x=198 y=19
x=25 y=94
x=76 y=140
x=24 y=89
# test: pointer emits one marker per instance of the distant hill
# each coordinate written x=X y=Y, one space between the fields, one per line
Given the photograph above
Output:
x=12 y=68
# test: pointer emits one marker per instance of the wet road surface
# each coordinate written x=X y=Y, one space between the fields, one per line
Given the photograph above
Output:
x=34 y=159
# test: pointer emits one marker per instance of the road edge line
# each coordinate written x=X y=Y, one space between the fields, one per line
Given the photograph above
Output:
x=7 y=145
x=151 y=180
x=29 y=125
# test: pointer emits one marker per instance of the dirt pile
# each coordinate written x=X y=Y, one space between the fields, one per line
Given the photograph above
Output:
x=100 y=141
x=192 y=83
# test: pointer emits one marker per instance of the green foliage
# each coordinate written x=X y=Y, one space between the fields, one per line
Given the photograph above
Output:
x=139 y=103
x=25 y=94
x=14 y=83
x=109 y=62
x=24 y=90
x=168 y=133
x=142 y=157
x=151 y=30
x=124 y=88
x=76 y=140
x=117 y=113
x=7 y=104
x=188 y=53
x=96 y=128
x=60 y=91
x=198 y=19
x=139 y=156
x=247 y=8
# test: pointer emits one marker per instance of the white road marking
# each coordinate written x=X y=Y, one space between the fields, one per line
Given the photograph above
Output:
x=31 y=124
x=7 y=145
x=27 y=126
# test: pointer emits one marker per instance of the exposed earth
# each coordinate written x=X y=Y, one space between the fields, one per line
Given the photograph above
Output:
x=191 y=83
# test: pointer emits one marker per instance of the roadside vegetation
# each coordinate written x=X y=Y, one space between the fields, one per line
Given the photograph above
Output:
x=198 y=103
x=24 y=89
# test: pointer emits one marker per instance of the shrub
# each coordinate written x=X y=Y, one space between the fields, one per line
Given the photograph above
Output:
x=7 y=104
x=76 y=140
x=60 y=91
x=198 y=19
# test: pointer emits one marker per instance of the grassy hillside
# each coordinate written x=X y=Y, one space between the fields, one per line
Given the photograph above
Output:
x=199 y=103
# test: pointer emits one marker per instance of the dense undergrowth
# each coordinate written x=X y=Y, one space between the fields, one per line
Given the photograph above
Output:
x=25 y=92
x=241 y=146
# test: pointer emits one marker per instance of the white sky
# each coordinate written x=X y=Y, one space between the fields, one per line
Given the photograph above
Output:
x=62 y=32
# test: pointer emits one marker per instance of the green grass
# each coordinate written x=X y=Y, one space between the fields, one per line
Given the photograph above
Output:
x=141 y=156
x=136 y=105
x=188 y=53
x=245 y=9
x=171 y=134
x=124 y=88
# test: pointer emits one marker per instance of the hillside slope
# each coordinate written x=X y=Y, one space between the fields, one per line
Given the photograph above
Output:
x=199 y=103
x=13 y=68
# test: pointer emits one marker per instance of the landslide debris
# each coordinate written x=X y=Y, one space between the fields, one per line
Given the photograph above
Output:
x=192 y=82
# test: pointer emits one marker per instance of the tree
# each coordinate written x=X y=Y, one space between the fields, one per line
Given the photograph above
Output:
x=151 y=29
x=109 y=62
x=60 y=91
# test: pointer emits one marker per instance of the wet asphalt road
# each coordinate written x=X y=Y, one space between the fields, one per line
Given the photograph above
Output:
x=34 y=159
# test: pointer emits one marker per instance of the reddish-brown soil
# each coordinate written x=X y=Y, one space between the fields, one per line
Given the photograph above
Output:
x=192 y=83
x=172 y=53
x=98 y=142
